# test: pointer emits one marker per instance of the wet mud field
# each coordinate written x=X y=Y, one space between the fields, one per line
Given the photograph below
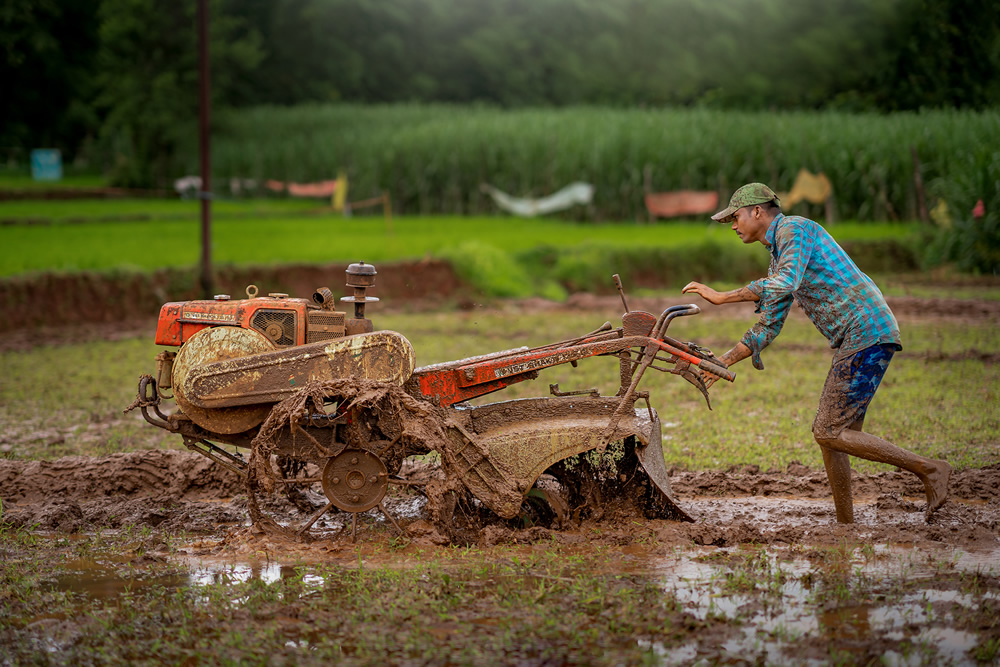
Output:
x=765 y=574
x=150 y=556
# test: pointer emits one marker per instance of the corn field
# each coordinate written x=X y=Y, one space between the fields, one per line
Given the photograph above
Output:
x=433 y=158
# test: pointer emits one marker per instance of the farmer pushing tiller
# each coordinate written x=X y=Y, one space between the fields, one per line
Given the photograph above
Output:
x=807 y=265
x=321 y=398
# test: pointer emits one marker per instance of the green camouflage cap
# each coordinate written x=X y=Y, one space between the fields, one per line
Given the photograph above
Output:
x=748 y=195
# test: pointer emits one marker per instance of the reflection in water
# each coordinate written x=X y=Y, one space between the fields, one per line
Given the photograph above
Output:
x=235 y=573
x=775 y=596
x=103 y=581
x=845 y=622
x=775 y=617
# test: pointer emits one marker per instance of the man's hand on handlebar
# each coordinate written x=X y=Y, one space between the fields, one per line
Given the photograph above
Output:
x=708 y=378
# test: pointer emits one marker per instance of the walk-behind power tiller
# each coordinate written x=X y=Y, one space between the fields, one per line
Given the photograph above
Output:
x=323 y=400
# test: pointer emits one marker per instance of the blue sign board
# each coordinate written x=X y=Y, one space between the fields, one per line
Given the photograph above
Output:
x=46 y=164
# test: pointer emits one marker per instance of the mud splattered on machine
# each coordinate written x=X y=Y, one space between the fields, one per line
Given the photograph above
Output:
x=320 y=398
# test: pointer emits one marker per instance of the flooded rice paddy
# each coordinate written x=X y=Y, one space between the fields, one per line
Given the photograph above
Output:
x=769 y=578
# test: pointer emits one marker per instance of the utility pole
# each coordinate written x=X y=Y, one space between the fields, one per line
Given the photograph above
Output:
x=205 y=150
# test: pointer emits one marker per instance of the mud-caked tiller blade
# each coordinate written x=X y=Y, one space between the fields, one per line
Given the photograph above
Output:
x=523 y=438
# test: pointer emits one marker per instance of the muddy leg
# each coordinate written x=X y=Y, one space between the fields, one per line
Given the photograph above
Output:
x=849 y=389
x=838 y=471
x=932 y=472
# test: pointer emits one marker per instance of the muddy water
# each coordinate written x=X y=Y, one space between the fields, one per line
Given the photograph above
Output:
x=788 y=610
x=783 y=607
x=104 y=581
x=765 y=574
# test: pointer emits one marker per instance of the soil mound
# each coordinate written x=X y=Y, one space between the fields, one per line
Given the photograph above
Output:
x=974 y=484
x=55 y=300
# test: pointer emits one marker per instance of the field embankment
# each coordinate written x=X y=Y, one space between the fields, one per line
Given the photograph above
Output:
x=471 y=273
x=58 y=299
x=100 y=271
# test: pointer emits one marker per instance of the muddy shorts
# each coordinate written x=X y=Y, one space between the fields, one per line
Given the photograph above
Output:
x=850 y=387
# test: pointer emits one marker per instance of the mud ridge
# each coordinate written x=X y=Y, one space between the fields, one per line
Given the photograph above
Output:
x=157 y=474
x=172 y=490
x=181 y=475
x=973 y=484
x=55 y=300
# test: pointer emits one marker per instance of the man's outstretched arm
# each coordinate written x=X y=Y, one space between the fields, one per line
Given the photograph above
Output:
x=738 y=353
x=719 y=298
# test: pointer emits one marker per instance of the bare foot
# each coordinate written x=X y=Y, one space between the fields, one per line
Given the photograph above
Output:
x=936 y=484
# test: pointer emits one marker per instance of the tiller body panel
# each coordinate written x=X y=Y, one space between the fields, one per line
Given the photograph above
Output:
x=271 y=377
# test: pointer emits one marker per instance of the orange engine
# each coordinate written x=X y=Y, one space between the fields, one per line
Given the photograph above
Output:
x=285 y=322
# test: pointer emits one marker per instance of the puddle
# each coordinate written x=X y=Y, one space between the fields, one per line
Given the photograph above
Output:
x=777 y=605
x=103 y=581
x=779 y=611
x=235 y=573
x=781 y=512
x=408 y=508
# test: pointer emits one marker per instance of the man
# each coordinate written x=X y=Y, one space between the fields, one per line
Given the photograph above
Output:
x=808 y=266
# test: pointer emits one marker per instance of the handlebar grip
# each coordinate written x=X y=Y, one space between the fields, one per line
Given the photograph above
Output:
x=717 y=369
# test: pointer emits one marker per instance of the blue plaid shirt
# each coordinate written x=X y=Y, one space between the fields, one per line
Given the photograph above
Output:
x=809 y=266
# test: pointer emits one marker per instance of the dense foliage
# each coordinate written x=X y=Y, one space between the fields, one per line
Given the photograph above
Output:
x=149 y=95
x=128 y=67
x=113 y=83
x=433 y=158
x=48 y=51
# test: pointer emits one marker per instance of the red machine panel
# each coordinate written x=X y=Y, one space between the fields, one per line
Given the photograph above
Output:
x=282 y=320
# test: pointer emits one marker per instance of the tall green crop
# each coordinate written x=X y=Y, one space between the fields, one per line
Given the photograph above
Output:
x=432 y=158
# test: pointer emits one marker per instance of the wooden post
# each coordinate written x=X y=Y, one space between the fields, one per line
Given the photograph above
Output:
x=205 y=149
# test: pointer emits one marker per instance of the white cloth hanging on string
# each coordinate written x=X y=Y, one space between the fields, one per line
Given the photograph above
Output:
x=571 y=195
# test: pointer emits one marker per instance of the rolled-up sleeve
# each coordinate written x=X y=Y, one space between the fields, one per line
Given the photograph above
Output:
x=772 y=317
x=794 y=247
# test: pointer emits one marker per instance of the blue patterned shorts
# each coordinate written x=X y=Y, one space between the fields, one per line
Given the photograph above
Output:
x=850 y=387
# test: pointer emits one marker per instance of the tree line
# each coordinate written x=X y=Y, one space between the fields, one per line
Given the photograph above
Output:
x=115 y=81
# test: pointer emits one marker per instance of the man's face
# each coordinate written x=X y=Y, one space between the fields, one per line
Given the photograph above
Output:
x=750 y=224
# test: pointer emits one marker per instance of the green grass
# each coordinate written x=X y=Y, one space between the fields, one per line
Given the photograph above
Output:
x=68 y=400
x=22 y=180
x=943 y=286
x=539 y=602
x=502 y=606
x=104 y=246
x=56 y=210
x=935 y=400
